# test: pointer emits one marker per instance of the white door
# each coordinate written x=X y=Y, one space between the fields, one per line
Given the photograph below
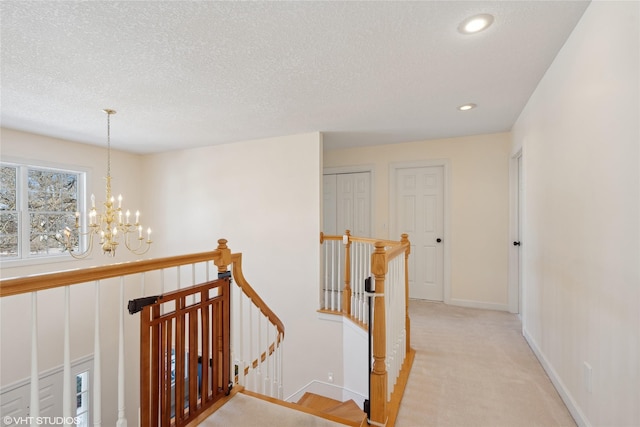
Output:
x=329 y=205
x=347 y=204
x=419 y=204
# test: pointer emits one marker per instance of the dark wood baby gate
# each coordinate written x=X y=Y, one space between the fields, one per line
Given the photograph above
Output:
x=184 y=355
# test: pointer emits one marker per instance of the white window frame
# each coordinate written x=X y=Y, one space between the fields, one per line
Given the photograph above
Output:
x=24 y=257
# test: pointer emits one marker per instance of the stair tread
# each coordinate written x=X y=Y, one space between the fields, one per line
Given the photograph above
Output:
x=348 y=410
x=315 y=401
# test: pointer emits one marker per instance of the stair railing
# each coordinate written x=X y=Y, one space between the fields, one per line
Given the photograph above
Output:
x=354 y=259
x=392 y=353
x=144 y=278
x=256 y=339
x=346 y=263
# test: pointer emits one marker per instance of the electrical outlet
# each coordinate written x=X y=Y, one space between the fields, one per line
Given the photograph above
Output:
x=330 y=377
x=588 y=377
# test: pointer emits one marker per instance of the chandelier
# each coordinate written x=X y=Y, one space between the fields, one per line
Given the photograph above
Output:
x=111 y=226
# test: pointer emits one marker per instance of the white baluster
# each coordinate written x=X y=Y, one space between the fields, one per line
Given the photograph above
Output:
x=355 y=280
x=250 y=339
x=333 y=279
x=122 y=420
x=281 y=370
x=259 y=346
x=162 y=289
x=267 y=386
x=328 y=254
x=357 y=296
x=241 y=338
x=97 y=375
x=34 y=406
x=66 y=371
x=142 y=293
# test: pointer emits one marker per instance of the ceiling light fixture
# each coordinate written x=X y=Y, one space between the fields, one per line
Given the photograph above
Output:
x=110 y=224
x=467 y=107
x=475 y=24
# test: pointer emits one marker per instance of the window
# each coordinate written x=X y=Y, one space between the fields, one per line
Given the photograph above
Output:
x=82 y=399
x=36 y=205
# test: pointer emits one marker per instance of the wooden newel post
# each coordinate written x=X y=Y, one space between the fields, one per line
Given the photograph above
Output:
x=346 y=294
x=405 y=240
x=223 y=262
x=379 y=373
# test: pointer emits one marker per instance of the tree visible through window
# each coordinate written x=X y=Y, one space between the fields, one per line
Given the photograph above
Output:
x=8 y=212
x=36 y=204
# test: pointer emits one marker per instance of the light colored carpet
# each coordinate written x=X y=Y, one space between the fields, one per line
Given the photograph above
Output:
x=248 y=411
x=474 y=368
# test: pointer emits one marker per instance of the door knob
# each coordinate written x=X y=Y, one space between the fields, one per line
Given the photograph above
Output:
x=438 y=240
x=516 y=243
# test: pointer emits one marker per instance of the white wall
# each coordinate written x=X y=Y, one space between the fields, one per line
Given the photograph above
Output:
x=479 y=206
x=264 y=197
x=581 y=245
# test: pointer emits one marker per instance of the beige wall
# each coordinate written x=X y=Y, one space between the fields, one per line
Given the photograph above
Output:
x=479 y=207
x=579 y=135
x=264 y=197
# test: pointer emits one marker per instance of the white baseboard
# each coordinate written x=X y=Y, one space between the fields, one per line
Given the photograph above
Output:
x=577 y=414
x=478 y=304
x=328 y=390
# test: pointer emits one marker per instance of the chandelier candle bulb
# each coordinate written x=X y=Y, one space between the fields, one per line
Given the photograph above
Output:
x=119 y=201
x=137 y=217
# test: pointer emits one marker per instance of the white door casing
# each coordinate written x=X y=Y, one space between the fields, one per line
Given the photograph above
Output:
x=515 y=232
x=418 y=209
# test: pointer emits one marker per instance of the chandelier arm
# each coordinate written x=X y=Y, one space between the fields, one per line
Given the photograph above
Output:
x=137 y=250
x=87 y=252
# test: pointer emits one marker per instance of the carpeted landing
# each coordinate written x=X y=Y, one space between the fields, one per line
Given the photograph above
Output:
x=474 y=368
x=248 y=411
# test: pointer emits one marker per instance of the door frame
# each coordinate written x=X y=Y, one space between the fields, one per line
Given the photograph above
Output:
x=372 y=191
x=446 y=239
x=515 y=217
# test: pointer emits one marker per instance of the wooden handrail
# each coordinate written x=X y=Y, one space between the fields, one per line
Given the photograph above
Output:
x=40 y=282
x=395 y=251
x=370 y=240
x=236 y=261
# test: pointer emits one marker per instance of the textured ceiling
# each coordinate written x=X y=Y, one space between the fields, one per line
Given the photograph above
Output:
x=194 y=73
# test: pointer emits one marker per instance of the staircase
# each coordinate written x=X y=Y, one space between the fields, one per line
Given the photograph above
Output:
x=347 y=411
x=248 y=409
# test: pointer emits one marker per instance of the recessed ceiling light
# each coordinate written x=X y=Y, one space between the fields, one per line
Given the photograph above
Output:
x=475 y=23
x=467 y=107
